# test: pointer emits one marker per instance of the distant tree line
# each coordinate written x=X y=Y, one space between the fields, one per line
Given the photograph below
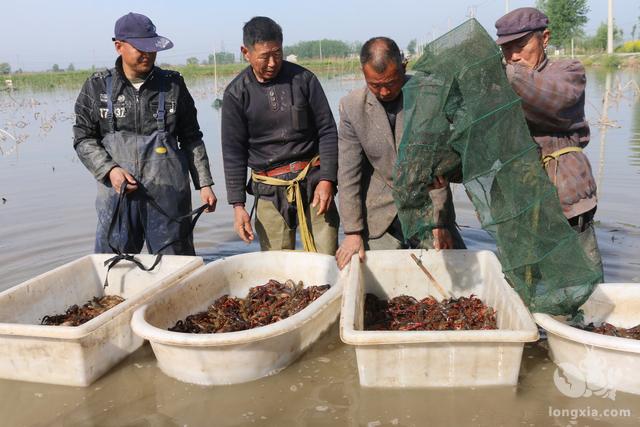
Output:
x=329 y=48
x=220 y=58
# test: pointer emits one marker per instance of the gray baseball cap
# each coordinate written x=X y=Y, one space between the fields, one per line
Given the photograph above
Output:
x=520 y=22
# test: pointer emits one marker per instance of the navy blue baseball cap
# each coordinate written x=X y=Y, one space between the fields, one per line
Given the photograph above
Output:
x=139 y=31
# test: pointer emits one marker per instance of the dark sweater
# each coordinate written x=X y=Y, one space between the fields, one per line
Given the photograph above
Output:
x=265 y=125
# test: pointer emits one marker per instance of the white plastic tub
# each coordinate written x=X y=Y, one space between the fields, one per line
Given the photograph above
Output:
x=603 y=362
x=78 y=355
x=235 y=357
x=435 y=358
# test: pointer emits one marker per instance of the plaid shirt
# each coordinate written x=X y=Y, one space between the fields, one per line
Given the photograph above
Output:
x=553 y=103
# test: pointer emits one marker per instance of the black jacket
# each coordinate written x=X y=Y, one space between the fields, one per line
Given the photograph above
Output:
x=265 y=125
x=133 y=112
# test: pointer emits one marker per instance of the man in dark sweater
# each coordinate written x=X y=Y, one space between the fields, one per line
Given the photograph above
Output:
x=276 y=120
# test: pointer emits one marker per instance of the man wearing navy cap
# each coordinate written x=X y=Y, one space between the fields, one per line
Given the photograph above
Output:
x=553 y=102
x=136 y=131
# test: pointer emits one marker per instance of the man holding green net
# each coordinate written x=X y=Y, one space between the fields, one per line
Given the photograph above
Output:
x=553 y=96
x=370 y=131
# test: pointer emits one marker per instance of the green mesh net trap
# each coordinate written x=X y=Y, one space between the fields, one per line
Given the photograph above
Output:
x=463 y=121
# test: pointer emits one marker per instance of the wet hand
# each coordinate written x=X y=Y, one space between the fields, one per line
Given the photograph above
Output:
x=242 y=223
x=118 y=176
x=323 y=196
x=352 y=244
x=209 y=198
x=438 y=183
x=442 y=239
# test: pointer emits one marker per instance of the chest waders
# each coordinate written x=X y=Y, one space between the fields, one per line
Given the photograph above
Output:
x=157 y=211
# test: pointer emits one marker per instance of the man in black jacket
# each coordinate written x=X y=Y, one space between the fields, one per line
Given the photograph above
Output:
x=276 y=120
x=136 y=131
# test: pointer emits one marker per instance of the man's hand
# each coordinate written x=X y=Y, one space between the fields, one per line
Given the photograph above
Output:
x=322 y=196
x=208 y=197
x=242 y=223
x=352 y=244
x=438 y=183
x=118 y=176
x=442 y=239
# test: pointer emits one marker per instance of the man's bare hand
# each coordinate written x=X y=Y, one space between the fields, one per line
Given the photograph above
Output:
x=118 y=176
x=442 y=239
x=242 y=223
x=209 y=198
x=323 y=196
x=352 y=244
x=438 y=183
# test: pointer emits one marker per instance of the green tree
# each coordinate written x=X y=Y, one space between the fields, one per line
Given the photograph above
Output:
x=599 y=41
x=311 y=49
x=71 y=67
x=566 y=19
x=192 y=61
x=55 y=68
x=5 y=68
x=411 y=47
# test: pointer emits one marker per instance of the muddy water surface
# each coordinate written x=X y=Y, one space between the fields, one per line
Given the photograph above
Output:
x=47 y=219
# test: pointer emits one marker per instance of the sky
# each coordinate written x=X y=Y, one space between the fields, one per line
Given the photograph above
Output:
x=37 y=34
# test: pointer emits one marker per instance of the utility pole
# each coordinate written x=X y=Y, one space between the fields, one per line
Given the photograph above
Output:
x=320 y=50
x=471 y=11
x=572 y=56
x=506 y=6
x=610 y=29
x=215 y=73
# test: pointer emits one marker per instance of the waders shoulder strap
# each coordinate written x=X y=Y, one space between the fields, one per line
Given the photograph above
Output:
x=109 y=83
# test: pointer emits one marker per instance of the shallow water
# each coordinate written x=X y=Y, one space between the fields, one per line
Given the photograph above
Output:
x=47 y=219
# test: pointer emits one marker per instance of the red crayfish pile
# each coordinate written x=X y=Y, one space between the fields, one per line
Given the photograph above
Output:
x=263 y=305
x=614 y=331
x=76 y=316
x=405 y=313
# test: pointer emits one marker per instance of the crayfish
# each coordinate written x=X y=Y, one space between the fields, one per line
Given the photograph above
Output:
x=405 y=313
x=264 y=304
x=75 y=316
x=613 y=331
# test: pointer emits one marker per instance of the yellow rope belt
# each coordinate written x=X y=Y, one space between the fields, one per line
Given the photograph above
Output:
x=294 y=195
x=556 y=154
